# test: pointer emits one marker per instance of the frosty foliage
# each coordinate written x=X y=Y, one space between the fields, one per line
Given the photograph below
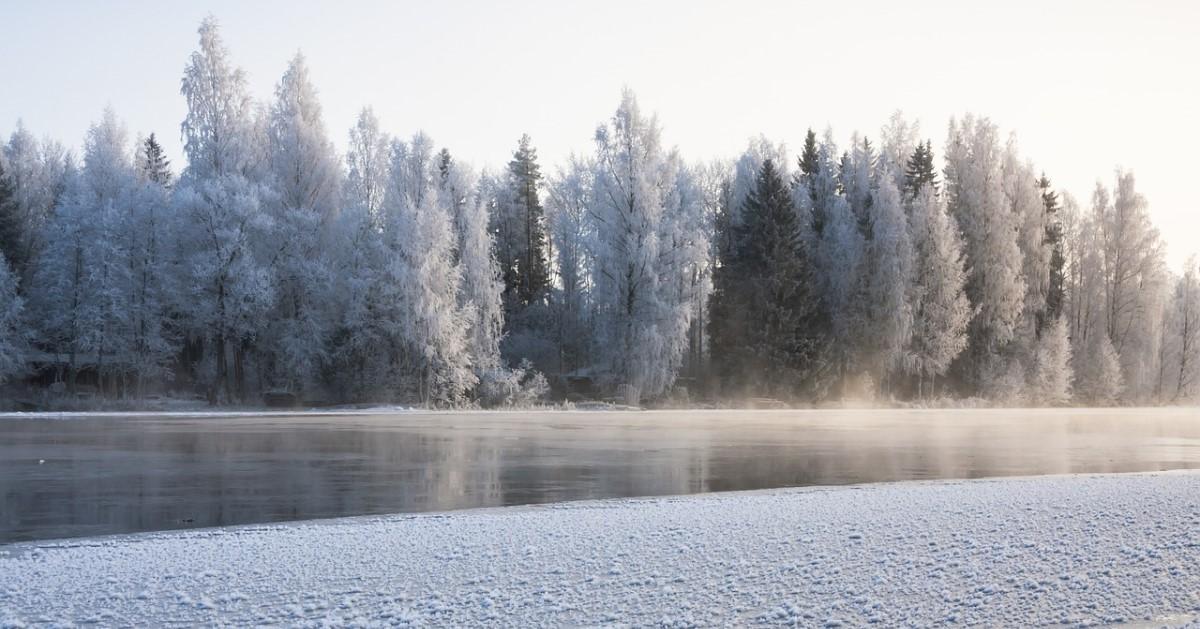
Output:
x=273 y=266
x=12 y=326
x=976 y=199
x=941 y=311
x=647 y=245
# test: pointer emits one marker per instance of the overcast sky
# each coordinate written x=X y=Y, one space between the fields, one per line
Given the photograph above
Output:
x=1087 y=86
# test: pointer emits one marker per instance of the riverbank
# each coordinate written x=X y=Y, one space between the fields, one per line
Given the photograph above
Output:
x=1079 y=550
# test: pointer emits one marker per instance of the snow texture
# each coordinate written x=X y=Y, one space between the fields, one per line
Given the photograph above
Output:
x=1070 y=550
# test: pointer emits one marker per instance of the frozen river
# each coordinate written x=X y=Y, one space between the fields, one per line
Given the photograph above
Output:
x=99 y=475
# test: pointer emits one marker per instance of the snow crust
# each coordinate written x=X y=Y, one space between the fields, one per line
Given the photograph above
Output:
x=1069 y=550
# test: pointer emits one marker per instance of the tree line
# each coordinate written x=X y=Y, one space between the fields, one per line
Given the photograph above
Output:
x=396 y=272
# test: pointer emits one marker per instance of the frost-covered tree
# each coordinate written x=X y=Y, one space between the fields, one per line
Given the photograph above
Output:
x=13 y=327
x=420 y=242
x=304 y=166
x=1050 y=377
x=223 y=205
x=941 y=311
x=645 y=252
x=1180 y=380
x=229 y=289
x=154 y=288
x=37 y=173
x=1098 y=371
x=305 y=177
x=1024 y=202
x=1133 y=279
x=84 y=271
x=899 y=142
x=367 y=161
x=841 y=268
x=889 y=280
x=975 y=195
x=218 y=129
x=571 y=230
x=482 y=287
x=857 y=179
x=363 y=344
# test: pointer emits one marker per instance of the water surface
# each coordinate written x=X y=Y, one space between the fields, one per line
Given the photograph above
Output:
x=102 y=475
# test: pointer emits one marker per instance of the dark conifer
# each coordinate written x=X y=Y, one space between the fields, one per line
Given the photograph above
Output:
x=155 y=165
x=527 y=273
x=919 y=171
x=11 y=236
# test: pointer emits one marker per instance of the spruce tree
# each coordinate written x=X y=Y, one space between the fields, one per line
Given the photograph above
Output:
x=10 y=224
x=920 y=171
x=1054 y=237
x=527 y=273
x=154 y=164
x=762 y=311
x=809 y=162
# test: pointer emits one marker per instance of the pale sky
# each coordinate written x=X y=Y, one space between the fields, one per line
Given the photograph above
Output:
x=1087 y=86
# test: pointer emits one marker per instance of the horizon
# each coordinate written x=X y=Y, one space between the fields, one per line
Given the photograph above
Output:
x=687 y=69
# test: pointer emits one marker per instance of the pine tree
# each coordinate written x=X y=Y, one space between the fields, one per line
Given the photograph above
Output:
x=920 y=170
x=526 y=269
x=153 y=164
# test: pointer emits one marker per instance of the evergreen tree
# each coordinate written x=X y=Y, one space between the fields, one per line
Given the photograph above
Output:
x=1054 y=238
x=524 y=260
x=152 y=164
x=809 y=161
x=762 y=308
x=920 y=170
x=12 y=324
x=11 y=232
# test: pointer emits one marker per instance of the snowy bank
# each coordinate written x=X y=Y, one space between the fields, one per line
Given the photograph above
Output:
x=1010 y=552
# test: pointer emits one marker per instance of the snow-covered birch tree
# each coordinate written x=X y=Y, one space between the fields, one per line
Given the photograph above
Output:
x=641 y=316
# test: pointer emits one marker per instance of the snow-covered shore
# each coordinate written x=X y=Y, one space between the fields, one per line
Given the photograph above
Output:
x=1078 y=550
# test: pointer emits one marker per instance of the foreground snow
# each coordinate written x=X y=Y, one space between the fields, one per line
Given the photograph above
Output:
x=1012 y=552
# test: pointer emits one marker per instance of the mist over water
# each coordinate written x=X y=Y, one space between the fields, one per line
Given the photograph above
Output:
x=94 y=476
